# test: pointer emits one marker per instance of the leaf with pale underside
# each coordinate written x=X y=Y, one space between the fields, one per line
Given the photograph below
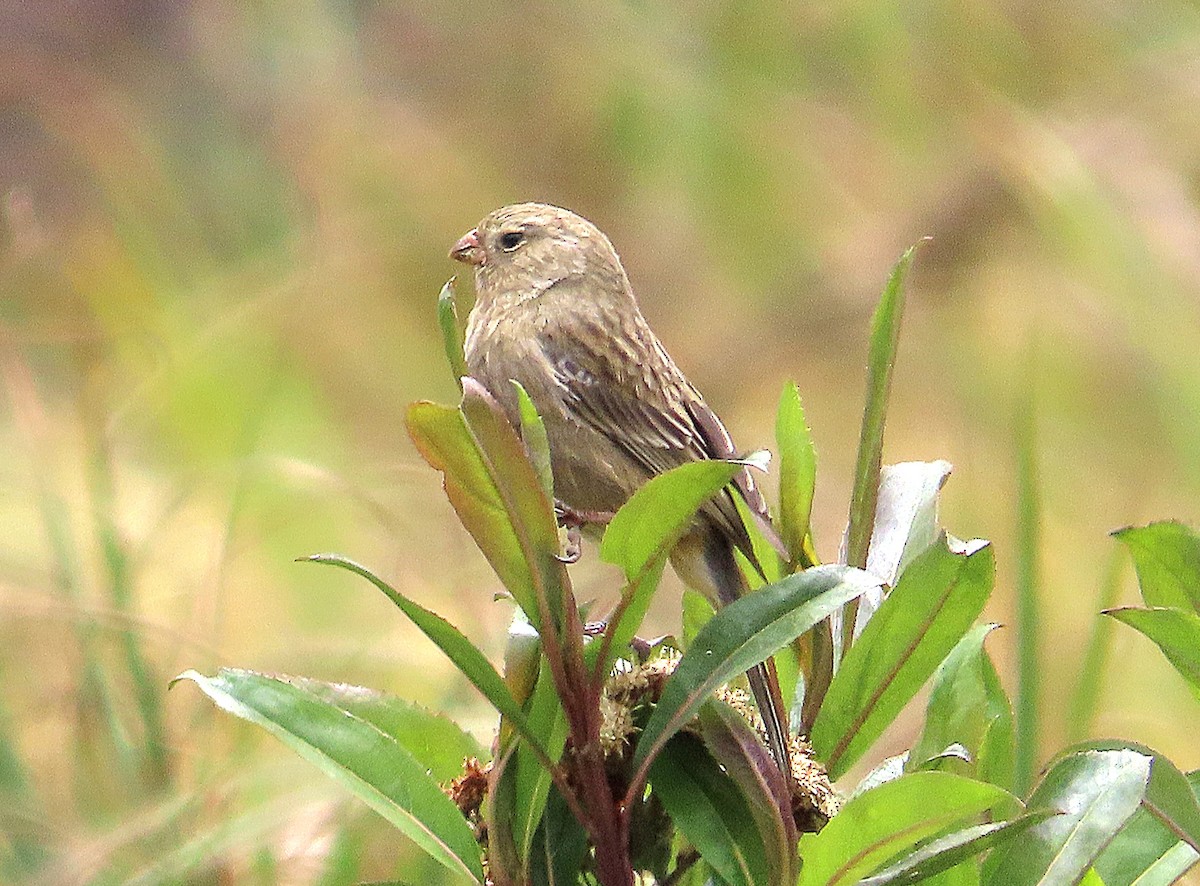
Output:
x=356 y=754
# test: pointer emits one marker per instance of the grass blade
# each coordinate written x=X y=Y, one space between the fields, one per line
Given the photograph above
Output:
x=1028 y=718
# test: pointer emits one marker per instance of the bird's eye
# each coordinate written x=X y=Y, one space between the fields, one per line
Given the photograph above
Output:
x=510 y=240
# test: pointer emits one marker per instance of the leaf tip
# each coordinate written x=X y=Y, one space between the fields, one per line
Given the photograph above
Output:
x=189 y=674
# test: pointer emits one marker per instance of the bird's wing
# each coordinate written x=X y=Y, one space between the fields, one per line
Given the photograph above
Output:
x=625 y=387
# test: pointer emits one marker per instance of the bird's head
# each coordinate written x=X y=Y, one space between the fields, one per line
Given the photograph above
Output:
x=524 y=249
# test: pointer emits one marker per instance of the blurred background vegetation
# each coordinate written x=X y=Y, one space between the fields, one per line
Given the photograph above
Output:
x=223 y=229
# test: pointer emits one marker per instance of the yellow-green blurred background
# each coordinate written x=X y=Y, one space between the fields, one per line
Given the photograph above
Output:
x=224 y=225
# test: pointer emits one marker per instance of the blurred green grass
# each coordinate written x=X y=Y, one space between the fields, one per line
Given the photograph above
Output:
x=224 y=229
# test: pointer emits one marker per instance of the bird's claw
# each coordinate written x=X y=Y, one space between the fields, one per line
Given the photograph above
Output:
x=573 y=549
x=573 y=521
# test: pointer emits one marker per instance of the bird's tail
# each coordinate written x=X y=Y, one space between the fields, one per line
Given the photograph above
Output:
x=721 y=580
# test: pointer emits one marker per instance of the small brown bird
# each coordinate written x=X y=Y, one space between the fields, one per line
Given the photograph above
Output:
x=554 y=311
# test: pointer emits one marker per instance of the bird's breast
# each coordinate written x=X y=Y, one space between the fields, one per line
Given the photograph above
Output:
x=590 y=472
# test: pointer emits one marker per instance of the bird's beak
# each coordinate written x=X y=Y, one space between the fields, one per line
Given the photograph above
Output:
x=468 y=250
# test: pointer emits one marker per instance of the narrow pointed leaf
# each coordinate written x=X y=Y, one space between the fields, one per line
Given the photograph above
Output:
x=934 y=604
x=953 y=849
x=967 y=706
x=465 y=656
x=546 y=719
x=740 y=636
x=537 y=444
x=709 y=811
x=740 y=753
x=769 y=554
x=452 y=338
x=1175 y=631
x=444 y=440
x=797 y=471
x=881 y=357
x=497 y=495
x=873 y=827
x=527 y=504
x=357 y=755
x=1167 y=558
x=1098 y=792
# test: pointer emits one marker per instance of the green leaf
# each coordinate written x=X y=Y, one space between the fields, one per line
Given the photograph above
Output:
x=469 y=660
x=357 y=755
x=548 y=721
x=769 y=564
x=647 y=526
x=1135 y=850
x=874 y=826
x=442 y=437
x=953 y=849
x=881 y=357
x=740 y=636
x=797 y=472
x=1177 y=634
x=740 y=753
x=1146 y=851
x=438 y=743
x=709 y=811
x=641 y=535
x=1098 y=792
x=559 y=848
x=1167 y=558
x=452 y=339
x=530 y=511
x=1169 y=867
x=537 y=443
x=933 y=605
x=1170 y=798
x=696 y=613
x=497 y=495
x=967 y=706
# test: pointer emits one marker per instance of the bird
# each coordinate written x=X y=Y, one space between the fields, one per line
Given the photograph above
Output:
x=554 y=311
